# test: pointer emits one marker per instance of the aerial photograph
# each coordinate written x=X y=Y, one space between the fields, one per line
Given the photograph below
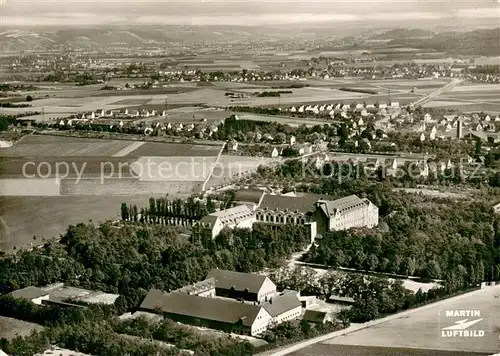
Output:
x=249 y=177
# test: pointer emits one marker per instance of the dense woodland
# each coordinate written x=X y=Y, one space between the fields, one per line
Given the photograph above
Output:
x=129 y=260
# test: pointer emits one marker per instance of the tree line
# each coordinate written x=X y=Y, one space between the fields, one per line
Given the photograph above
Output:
x=160 y=210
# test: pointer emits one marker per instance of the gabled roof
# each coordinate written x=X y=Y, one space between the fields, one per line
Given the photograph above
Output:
x=237 y=280
x=221 y=310
x=198 y=288
x=249 y=195
x=314 y=316
x=228 y=216
x=343 y=204
x=302 y=204
x=282 y=303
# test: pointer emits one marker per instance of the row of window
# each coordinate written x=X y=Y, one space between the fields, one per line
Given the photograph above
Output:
x=280 y=219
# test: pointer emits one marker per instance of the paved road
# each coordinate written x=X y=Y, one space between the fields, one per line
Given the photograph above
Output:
x=355 y=327
x=436 y=93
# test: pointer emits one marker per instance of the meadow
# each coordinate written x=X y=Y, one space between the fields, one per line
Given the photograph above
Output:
x=466 y=97
x=229 y=167
x=175 y=149
x=59 y=146
x=48 y=217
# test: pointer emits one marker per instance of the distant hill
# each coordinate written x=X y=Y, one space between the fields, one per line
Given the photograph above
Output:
x=130 y=37
x=402 y=33
x=479 y=42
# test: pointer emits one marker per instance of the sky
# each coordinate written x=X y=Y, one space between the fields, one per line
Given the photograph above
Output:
x=239 y=12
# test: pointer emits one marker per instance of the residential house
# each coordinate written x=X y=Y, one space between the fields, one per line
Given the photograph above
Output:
x=432 y=135
x=211 y=225
x=31 y=294
x=496 y=208
x=292 y=141
x=245 y=286
x=372 y=164
x=274 y=153
x=345 y=213
x=305 y=149
x=391 y=167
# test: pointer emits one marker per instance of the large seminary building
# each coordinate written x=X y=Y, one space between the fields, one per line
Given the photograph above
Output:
x=319 y=213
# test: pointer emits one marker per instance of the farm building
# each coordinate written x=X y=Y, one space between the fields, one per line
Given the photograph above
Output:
x=246 y=286
x=31 y=294
x=317 y=317
x=226 y=315
x=204 y=288
x=264 y=307
x=59 y=293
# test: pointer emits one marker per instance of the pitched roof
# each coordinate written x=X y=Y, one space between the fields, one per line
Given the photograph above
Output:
x=237 y=280
x=198 y=288
x=314 y=316
x=29 y=293
x=282 y=303
x=213 y=309
x=228 y=216
x=249 y=195
x=343 y=204
x=302 y=204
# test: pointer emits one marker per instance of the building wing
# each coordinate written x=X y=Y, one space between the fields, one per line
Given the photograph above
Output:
x=219 y=310
x=237 y=280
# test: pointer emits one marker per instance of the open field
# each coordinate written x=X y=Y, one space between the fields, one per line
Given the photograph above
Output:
x=175 y=169
x=62 y=167
x=11 y=328
x=229 y=167
x=128 y=102
x=47 y=217
x=83 y=99
x=352 y=350
x=422 y=328
x=477 y=97
x=57 y=146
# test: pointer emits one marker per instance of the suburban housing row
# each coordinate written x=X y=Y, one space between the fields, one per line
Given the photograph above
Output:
x=319 y=213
